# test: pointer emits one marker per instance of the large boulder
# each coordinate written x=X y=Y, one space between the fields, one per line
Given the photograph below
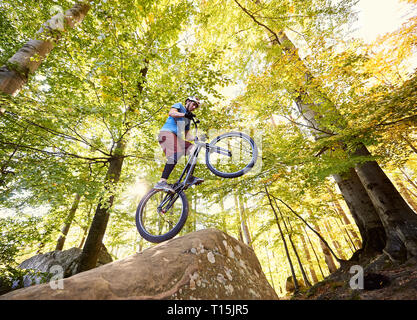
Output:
x=40 y=268
x=206 y=264
x=68 y=260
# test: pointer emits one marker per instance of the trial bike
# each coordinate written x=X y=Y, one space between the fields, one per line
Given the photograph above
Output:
x=161 y=215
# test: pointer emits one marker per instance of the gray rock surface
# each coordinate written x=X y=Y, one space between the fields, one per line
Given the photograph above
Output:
x=67 y=259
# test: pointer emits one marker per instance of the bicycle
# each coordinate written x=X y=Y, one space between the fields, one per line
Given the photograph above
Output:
x=160 y=217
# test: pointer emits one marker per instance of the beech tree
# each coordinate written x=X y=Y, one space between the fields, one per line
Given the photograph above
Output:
x=322 y=117
x=334 y=120
x=14 y=74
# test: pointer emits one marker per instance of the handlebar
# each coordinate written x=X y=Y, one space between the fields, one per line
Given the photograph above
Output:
x=196 y=138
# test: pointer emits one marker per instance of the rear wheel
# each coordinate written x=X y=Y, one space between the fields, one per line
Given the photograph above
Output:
x=231 y=155
x=161 y=215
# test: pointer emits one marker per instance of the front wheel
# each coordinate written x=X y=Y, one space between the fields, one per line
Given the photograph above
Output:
x=231 y=154
x=161 y=215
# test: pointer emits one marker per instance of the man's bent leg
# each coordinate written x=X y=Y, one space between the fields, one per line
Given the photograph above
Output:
x=169 y=166
x=168 y=143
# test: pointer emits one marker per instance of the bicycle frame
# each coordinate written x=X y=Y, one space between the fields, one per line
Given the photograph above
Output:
x=191 y=163
x=189 y=169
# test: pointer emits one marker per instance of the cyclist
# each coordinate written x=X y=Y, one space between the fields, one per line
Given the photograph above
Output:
x=172 y=138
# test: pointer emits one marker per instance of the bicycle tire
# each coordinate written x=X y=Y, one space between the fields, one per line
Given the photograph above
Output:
x=242 y=171
x=172 y=232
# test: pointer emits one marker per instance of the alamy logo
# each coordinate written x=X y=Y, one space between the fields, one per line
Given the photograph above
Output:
x=356 y=281
x=56 y=281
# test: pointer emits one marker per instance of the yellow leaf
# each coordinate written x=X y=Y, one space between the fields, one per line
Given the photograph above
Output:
x=151 y=18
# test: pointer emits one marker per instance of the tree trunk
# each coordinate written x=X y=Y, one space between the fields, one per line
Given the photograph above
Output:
x=224 y=223
x=26 y=60
x=190 y=223
x=85 y=229
x=314 y=251
x=410 y=144
x=195 y=212
x=269 y=268
x=315 y=232
x=309 y=260
x=408 y=179
x=348 y=240
x=346 y=221
x=405 y=192
x=98 y=227
x=300 y=264
x=336 y=243
x=238 y=221
x=358 y=200
x=140 y=244
x=272 y=253
x=294 y=278
x=327 y=256
x=83 y=238
x=399 y=220
x=244 y=225
x=240 y=233
x=363 y=212
x=68 y=222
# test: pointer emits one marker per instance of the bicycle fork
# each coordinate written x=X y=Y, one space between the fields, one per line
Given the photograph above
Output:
x=170 y=200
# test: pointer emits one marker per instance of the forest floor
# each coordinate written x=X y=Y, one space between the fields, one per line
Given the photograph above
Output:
x=383 y=280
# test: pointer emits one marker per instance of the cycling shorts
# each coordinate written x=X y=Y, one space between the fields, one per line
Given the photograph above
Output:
x=172 y=145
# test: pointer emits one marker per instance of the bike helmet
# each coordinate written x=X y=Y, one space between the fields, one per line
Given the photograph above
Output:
x=193 y=99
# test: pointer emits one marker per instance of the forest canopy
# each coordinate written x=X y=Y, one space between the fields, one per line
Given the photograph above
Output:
x=81 y=108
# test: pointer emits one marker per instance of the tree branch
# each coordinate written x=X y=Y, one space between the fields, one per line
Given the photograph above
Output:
x=62 y=153
x=257 y=22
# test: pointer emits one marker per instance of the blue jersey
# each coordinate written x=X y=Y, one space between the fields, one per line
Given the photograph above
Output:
x=177 y=125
